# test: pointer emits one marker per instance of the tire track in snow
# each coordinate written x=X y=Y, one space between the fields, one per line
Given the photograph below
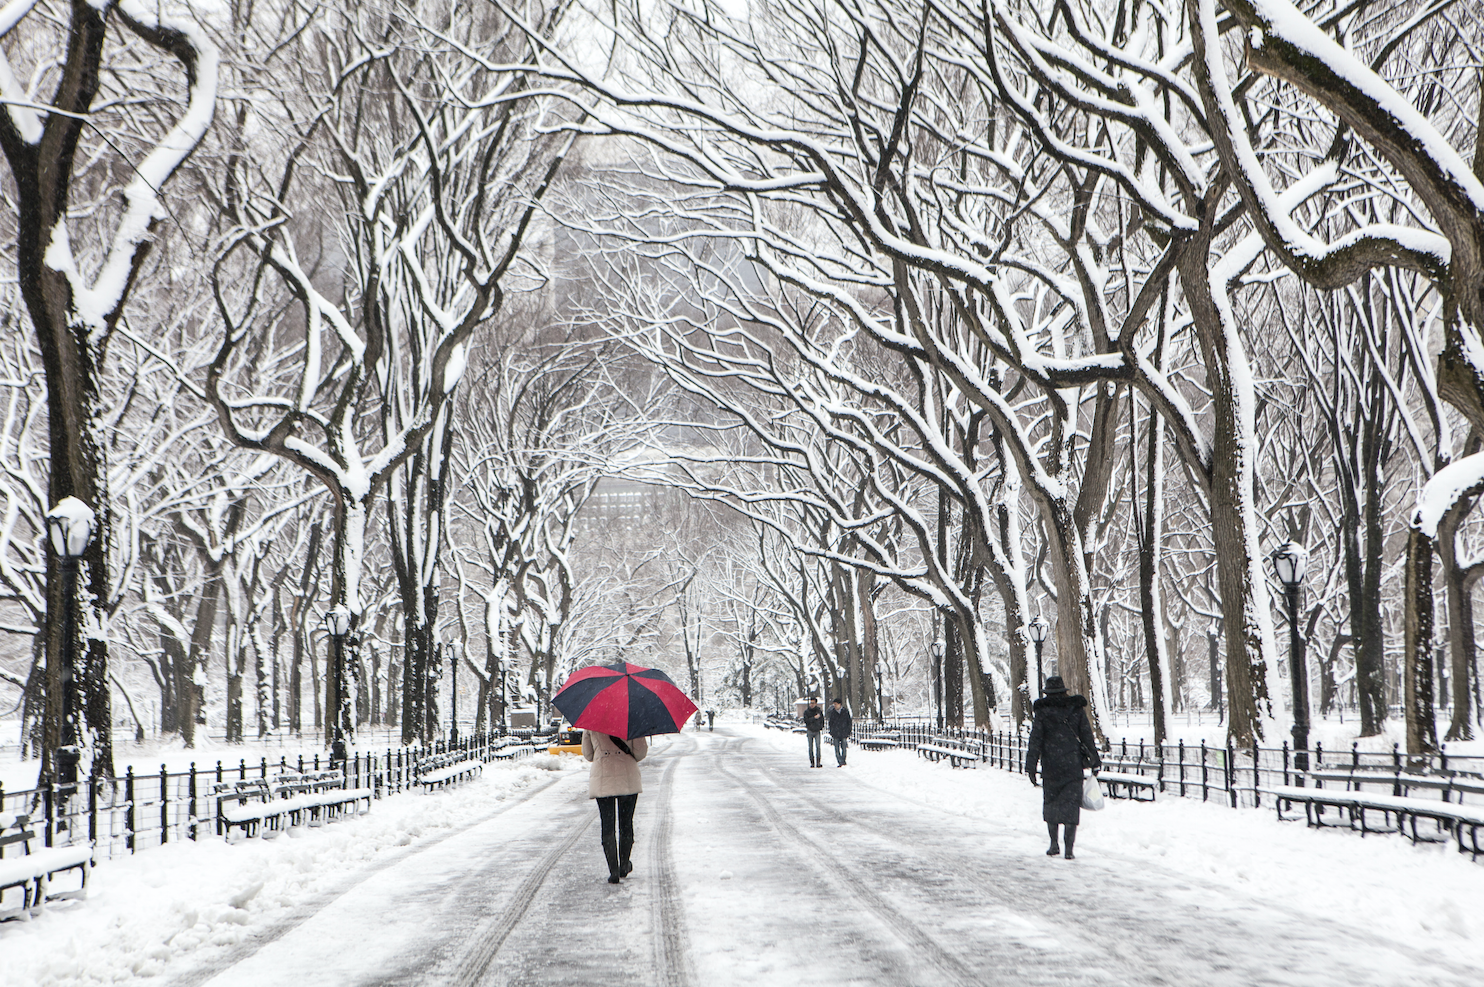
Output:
x=671 y=952
x=200 y=975
x=953 y=970
x=1127 y=943
x=491 y=935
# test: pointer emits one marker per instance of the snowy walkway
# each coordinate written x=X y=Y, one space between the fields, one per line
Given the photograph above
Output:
x=753 y=869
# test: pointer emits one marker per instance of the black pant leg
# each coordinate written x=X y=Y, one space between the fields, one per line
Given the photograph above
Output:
x=608 y=818
x=626 y=806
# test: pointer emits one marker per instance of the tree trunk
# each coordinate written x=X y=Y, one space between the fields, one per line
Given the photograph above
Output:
x=1253 y=711
x=1417 y=699
x=1151 y=534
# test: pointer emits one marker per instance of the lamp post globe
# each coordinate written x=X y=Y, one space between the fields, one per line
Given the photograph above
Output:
x=70 y=528
x=1039 y=629
x=1289 y=561
x=70 y=524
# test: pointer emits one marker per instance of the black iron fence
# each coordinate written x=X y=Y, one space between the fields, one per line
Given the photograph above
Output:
x=1234 y=775
x=140 y=810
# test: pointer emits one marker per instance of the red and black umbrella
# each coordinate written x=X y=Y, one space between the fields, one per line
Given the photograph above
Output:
x=623 y=700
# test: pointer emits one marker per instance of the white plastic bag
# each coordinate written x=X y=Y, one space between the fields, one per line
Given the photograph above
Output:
x=1092 y=793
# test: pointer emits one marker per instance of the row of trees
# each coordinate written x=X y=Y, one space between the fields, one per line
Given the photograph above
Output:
x=975 y=258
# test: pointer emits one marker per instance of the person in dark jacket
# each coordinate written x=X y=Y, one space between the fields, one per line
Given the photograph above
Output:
x=839 y=718
x=813 y=727
x=1061 y=745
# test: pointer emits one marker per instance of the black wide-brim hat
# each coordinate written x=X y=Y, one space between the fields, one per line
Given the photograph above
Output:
x=1055 y=686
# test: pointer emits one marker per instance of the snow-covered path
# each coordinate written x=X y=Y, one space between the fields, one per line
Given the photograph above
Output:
x=752 y=869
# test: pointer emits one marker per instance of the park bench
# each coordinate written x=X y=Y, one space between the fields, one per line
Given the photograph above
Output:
x=321 y=794
x=961 y=756
x=247 y=805
x=1399 y=814
x=1121 y=784
x=1402 y=783
x=32 y=870
x=512 y=751
x=878 y=743
x=261 y=805
x=442 y=771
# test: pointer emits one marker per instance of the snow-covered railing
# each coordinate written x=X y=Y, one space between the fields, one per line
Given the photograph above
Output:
x=144 y=810
x=1215 y=772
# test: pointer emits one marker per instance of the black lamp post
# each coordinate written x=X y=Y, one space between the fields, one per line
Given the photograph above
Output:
x=937 y=649
x=1039 y=629
x=435 y=675
x=454 y=649
x=504 y=699
x=337 y=622
x=70 y=525
x=1288 y=562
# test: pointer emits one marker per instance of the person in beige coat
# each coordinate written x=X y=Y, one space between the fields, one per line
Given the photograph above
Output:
x=614 y=781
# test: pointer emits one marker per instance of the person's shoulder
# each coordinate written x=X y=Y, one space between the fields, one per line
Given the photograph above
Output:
x=1064 y=701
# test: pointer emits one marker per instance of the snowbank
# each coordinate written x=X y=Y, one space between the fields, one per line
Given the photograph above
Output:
x=148 y=913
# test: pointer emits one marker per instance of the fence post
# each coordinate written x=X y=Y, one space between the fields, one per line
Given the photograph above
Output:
x=192 y=814
x=301 y=762
x=242 y=769
x=129 y=807
x=164 y=804
x=1181 y=753
x=1205 y=774
x=1231 y=779
x=1396 y=767
x=93 y=784
x=1285 y=763
x=1256 y=775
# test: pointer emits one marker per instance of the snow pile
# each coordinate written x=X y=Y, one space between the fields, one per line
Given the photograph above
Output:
x=147 y=913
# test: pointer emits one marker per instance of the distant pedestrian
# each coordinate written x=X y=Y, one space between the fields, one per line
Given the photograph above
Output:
x=813 y=728
x=711 y=720
x=1063 y=745
x=614 y=781
x=839 y=718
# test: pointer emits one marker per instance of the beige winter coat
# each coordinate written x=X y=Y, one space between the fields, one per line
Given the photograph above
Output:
x=613 y=771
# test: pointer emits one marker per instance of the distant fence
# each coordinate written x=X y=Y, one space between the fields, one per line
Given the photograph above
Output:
x=138 y=811
x=1211 y=772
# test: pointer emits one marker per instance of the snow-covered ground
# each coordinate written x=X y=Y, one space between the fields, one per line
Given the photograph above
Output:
x=754 y=869
x=188 y=903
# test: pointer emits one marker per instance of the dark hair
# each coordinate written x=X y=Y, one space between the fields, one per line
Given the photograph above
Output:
x=837 y=700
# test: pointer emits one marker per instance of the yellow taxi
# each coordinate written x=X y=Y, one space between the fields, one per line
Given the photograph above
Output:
x=568 y=741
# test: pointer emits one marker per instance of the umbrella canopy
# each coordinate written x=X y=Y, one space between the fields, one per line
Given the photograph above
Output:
x=623 y=700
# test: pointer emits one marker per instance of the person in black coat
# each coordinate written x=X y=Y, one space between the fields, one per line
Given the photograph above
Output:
x=839 y=718
x=1061 y=745
x=813 y=727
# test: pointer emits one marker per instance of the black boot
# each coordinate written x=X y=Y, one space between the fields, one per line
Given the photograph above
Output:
x=610 y=851
x=1055 y=847
x=625 y=849
x=1071 y=837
